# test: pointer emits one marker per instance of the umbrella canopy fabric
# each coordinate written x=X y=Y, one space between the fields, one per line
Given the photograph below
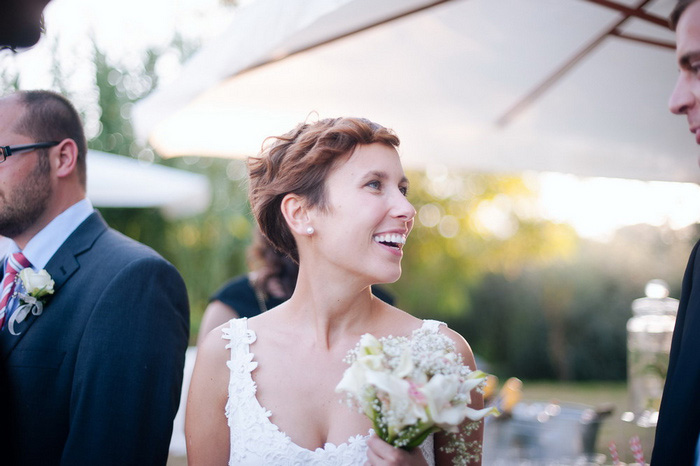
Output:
x=118 y=181
x=447 y=76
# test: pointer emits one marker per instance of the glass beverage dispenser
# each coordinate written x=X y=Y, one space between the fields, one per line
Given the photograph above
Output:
x=649 y=334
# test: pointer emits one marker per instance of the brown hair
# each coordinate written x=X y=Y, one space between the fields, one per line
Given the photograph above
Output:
x=275 y=272
x=678 y=11
x=51 y=117
x=299 y=162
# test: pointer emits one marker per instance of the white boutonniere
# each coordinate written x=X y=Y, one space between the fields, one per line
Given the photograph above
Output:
x=37 y=286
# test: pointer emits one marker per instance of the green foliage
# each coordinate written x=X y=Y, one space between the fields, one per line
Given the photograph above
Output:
x=207 y=249
x=567 y=320
x=456 y=239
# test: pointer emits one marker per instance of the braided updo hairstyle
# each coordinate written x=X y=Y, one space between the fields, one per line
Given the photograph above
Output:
x=299 y=162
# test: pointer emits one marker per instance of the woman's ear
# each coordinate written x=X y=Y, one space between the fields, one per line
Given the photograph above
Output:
x=296 y=213
x=65 y=158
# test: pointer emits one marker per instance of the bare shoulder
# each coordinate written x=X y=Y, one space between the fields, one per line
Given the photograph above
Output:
x=461 y=345
x=205 y=420
x=210 y=375
x=398 y=321
x=269 y=321
x=212 y=352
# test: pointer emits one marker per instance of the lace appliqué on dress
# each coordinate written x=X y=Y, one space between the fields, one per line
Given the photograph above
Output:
x=255 y=440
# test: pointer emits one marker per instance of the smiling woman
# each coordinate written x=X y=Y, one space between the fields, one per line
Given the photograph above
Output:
x=331 y=195
x=299 y=162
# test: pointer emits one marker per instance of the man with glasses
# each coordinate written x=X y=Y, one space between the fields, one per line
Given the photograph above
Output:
x=91 y=350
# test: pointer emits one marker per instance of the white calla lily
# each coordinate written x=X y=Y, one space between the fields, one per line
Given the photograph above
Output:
x=374 y=362
x=370 y=345
x=404 y=412
x=405 y=366
x=353 y=380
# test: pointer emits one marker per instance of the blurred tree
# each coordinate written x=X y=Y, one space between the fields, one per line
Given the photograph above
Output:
x=206 y=248
x=567 y=319
x=468 y=226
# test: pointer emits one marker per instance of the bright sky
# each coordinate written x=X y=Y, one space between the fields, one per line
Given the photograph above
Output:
x=124 y=28
x=131 y=24
x=596 y=206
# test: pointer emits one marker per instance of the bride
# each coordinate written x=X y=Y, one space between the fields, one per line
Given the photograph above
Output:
x=331 y=195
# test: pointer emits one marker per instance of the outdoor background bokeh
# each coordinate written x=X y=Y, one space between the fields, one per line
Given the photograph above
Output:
x=535 y=297
x=535 y=300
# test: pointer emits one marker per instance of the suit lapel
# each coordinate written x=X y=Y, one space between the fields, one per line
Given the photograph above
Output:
x=62 y=266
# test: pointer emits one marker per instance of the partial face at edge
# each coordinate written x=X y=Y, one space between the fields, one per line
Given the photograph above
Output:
x=685 y=99
x=25 y=185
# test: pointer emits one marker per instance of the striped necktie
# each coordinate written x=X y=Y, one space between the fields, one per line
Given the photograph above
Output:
x=14 y=264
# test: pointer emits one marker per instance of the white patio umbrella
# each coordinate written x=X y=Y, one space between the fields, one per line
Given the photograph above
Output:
x=117 y=181
x=496 y=86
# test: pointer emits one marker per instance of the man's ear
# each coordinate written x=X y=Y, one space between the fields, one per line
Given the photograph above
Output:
x=296 y=213
x=64 y=158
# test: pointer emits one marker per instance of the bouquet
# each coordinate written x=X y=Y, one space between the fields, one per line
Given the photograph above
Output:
x=411 y=387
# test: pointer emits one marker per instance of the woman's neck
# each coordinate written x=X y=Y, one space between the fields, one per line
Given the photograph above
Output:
x=331 y=307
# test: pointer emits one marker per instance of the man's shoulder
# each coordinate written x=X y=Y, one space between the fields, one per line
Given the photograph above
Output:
x=119 y=250
x=113 y=239
x=95 y=241
x=694 y=260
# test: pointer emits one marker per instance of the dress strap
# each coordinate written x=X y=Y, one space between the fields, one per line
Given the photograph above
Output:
x=240 y=338
x=432 y=325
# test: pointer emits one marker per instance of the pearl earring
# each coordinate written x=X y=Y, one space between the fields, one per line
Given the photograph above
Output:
x=310 y=231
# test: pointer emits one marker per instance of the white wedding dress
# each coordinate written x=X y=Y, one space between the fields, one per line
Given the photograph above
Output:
x=255 y=440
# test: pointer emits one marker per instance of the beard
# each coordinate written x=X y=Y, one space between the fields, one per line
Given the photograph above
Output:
x=21 y=208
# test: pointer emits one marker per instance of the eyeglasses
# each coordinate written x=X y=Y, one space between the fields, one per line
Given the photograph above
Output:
x=6 y=151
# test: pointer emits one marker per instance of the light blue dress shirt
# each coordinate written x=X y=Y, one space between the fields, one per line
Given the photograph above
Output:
x=41 y=248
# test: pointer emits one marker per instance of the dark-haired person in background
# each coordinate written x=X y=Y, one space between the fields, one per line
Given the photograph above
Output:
x=92 y=376
x=269 y=283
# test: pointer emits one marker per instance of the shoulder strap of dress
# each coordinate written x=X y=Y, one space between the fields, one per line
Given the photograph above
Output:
x=235 y=327
x=432 y=325
x=239 y=336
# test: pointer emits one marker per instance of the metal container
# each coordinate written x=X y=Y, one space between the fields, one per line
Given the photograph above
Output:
x=540 y=434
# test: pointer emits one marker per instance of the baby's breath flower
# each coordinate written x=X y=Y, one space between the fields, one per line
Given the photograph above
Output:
x=389 y=379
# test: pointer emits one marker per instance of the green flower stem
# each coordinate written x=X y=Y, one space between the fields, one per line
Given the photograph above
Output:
x=420 y=438
x=379 y=426
x=413 y=436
